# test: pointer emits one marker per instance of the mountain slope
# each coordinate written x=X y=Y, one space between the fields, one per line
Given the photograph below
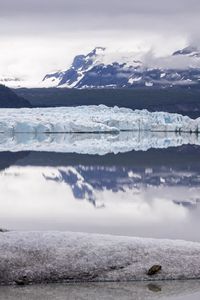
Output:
x=96 y=69
x=100 y=69
x=190 y=51
x=80 y=65
x=8 y=99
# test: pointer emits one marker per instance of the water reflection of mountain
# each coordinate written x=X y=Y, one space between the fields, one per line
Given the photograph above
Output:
x=84 y=181
x=88 y=174
x=188 y=203
x=116 y=179
x=184 y=157
x=8 y=159
x=80 y=188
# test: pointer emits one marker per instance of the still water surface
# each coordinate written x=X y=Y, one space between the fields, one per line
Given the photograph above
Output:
x=189 y=290
x=154 y=193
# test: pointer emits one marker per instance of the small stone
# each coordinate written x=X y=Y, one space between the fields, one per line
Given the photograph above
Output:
x=22 y=281
x=154 y=270
x=19 y=282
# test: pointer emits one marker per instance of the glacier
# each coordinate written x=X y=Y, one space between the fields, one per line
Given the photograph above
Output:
x=41 y=257
x=92 y=119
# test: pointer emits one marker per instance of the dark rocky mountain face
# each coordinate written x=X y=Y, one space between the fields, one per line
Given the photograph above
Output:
x=94 y=71
x=8 y=99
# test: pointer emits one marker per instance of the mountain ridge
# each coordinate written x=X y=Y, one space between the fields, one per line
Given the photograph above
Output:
x=93 y=71
x=8 y=99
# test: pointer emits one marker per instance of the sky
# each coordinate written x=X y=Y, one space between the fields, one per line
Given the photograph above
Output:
x=40 y=36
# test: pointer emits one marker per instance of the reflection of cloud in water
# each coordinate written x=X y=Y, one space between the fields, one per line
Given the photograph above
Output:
x=45 y=198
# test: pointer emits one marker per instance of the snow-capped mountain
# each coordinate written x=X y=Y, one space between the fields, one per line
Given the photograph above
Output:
x=96 y=69
x=100 y=69
x=190 y=51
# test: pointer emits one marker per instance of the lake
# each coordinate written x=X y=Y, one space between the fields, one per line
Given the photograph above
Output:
x=170 y=290
x=153 y=193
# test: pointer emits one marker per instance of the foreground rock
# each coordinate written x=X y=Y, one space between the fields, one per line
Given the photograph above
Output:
x=56 y=256
x=154 y=270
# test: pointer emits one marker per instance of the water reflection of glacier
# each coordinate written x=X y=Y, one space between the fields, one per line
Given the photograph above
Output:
x=94 y=143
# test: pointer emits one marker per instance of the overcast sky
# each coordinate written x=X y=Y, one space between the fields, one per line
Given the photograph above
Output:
x=38 y=36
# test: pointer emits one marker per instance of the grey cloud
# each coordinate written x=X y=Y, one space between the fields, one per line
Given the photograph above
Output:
x=104 y=6
x=71 y=16
x=73 y=26
x=172 y=62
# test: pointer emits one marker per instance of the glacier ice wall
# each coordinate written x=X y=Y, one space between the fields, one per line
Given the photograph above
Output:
x=92 y=119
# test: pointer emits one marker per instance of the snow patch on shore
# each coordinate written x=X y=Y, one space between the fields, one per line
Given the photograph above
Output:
x=58 y=256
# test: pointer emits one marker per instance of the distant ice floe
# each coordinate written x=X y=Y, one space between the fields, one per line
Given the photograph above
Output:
x=36 y=257
x=95 y=143
x=90 y=119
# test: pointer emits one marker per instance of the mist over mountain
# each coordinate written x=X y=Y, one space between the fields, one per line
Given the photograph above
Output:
x=102 y=68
